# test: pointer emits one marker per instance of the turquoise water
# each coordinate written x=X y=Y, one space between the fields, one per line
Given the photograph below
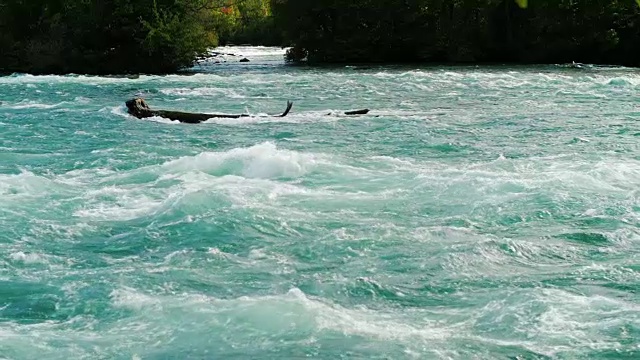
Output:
x=475 y=213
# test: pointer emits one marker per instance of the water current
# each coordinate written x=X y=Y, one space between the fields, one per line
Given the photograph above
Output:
x=477 y=212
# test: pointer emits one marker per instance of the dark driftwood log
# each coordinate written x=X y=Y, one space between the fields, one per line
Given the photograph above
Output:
x=139 y=108
x=357 y=112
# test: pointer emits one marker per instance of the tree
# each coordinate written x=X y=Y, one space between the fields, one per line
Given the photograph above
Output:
x=547 y=31
x=107 y=36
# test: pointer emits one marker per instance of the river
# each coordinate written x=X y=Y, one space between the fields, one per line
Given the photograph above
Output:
x=477 y=212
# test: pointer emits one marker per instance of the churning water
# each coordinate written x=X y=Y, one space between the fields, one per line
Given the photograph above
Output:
x=474 y=213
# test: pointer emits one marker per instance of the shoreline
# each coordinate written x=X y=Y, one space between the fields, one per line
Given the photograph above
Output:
x=356 y=66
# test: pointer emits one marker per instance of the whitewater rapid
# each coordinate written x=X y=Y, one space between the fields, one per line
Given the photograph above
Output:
x=475 y=212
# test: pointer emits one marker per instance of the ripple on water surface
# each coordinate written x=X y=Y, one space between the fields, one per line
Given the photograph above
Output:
x=475 y=212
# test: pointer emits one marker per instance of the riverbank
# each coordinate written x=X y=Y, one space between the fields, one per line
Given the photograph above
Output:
x=545 y=32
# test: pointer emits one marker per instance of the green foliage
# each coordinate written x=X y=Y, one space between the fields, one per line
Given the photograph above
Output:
x=524 y=3
x=118 y=36
x=537 y=31
x=160 y=36
x=253 y=24
x=177 y=35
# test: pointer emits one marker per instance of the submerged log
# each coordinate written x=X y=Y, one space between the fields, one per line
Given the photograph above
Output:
x=139 y=108
x=357 y=112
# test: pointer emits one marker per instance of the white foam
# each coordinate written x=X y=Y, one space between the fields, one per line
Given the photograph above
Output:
x=242 y=176
x=575 y=316
x=28 y=184
x=28 y=258
x=131 y=299
x=202 y=92
x=101 y=80
x=592 y=84
x=291 y=309
x=260 y=161
x=34 y=105
x=249 y=176
x=120 y=110
x=394 y=161
x=162 y=120
x=251 y=50
x=295 y=118
x=120 y=204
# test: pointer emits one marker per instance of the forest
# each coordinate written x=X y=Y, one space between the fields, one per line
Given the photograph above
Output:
x=164 y=36
x=124 y=36
x=461 y=31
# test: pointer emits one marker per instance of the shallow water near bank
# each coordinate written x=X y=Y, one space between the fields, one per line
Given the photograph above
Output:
x=475 y=212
